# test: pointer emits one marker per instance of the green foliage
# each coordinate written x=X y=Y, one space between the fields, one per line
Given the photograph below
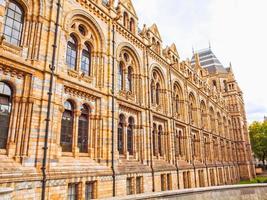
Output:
x=260 y=179
x=258 y=136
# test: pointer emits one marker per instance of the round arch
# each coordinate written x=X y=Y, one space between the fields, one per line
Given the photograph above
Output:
x=89 y=21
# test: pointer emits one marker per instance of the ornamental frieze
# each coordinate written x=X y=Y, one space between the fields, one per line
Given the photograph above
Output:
x=11 y=71
x=80 y=93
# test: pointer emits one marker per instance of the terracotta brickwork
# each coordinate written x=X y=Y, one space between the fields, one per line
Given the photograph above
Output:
x=173 y=127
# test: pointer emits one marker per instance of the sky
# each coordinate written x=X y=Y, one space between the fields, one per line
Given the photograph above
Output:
x=236 y=30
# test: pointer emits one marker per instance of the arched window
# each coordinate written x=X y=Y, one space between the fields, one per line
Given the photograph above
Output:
x=120 y=133
x=120 y=76
x=13 y=23
x=160 y=134
x=152 y=88
x=83 y=132
x=212 y=119
x=86 y=60
x=157 y=94
x=129 y=79
x=125 y=19
x=71 y=57
x=5 y=110
x=194 y=145
x=180 y=142
x=154 y=134
x=203 y=114
x=191 y=112
x=67 y=127
x=130 y=135
x=192 y=109
x=177 y=103
x=158 y=47
x=132 y=25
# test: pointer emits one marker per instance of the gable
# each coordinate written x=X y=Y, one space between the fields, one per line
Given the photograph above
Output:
x=154 y=29
x=129 y=6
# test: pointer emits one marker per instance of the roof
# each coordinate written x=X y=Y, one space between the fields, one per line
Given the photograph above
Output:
x=209 y=61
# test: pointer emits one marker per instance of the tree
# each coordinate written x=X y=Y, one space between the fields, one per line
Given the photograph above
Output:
x=258 y=136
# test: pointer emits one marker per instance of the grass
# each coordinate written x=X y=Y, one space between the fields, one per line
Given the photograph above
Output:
x=259 y=179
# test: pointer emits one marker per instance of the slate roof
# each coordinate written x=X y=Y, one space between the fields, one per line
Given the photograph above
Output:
x=209 y=61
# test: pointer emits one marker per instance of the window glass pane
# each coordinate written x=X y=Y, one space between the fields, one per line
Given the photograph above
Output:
x=83 y=133
x=66 y=131
x=85 y=64
x=17 y=17
x=89 y=191
x=16 y=25
x=5 y=110
x=12 y=6
x=10 y=13
x=71 y=56
x=9 y=22
x=14 y=21
x=7 y=31
x=73 y=191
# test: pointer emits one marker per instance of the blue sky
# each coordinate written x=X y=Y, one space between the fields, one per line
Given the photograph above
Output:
x=237 y=32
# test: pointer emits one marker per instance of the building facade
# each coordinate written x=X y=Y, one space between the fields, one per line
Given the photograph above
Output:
x=127 y=115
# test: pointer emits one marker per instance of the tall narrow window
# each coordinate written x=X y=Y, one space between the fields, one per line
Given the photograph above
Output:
x=130 y=135
x=180 y=143
x=176 y=143
x=157 y=94
x=125 y=19
x=129 y=79
x=177 y=104
x=139 y=185
x=86 y=60
x=90 y=190
x=71 y=57
x=155 y=146
x=129 y=188
x=83 y=130
x=194 y=145
x=120 y=134
x=163 y=182
x=73 y=191
x=132 y=25
x=5 y=110
x=169 y=181
x=120 y=76
x=13 y=23
x=152 y=90
x=67 y=127
x=160 y=135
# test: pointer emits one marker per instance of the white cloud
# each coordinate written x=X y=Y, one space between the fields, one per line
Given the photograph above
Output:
x=237 y=31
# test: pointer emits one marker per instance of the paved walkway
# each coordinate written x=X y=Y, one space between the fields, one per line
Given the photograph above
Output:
x=227 y=192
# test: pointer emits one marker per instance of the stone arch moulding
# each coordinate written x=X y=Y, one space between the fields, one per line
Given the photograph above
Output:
x=11 y=84
x=36 y=7
x=158 y=69
x=131 y=50
x=180 y=86
x=89 y=20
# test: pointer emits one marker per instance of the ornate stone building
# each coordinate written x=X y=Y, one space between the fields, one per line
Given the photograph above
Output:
x=123 y=116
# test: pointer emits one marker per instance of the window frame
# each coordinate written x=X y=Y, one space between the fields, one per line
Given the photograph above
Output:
x=5 y=96
x=69 y=127
x=13 y=19
x=72 y=46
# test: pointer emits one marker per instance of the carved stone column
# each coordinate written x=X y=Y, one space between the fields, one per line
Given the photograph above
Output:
x=13 y=122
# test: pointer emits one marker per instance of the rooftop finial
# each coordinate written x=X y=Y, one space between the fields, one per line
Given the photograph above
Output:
x=193 y=50
x=209 y=45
